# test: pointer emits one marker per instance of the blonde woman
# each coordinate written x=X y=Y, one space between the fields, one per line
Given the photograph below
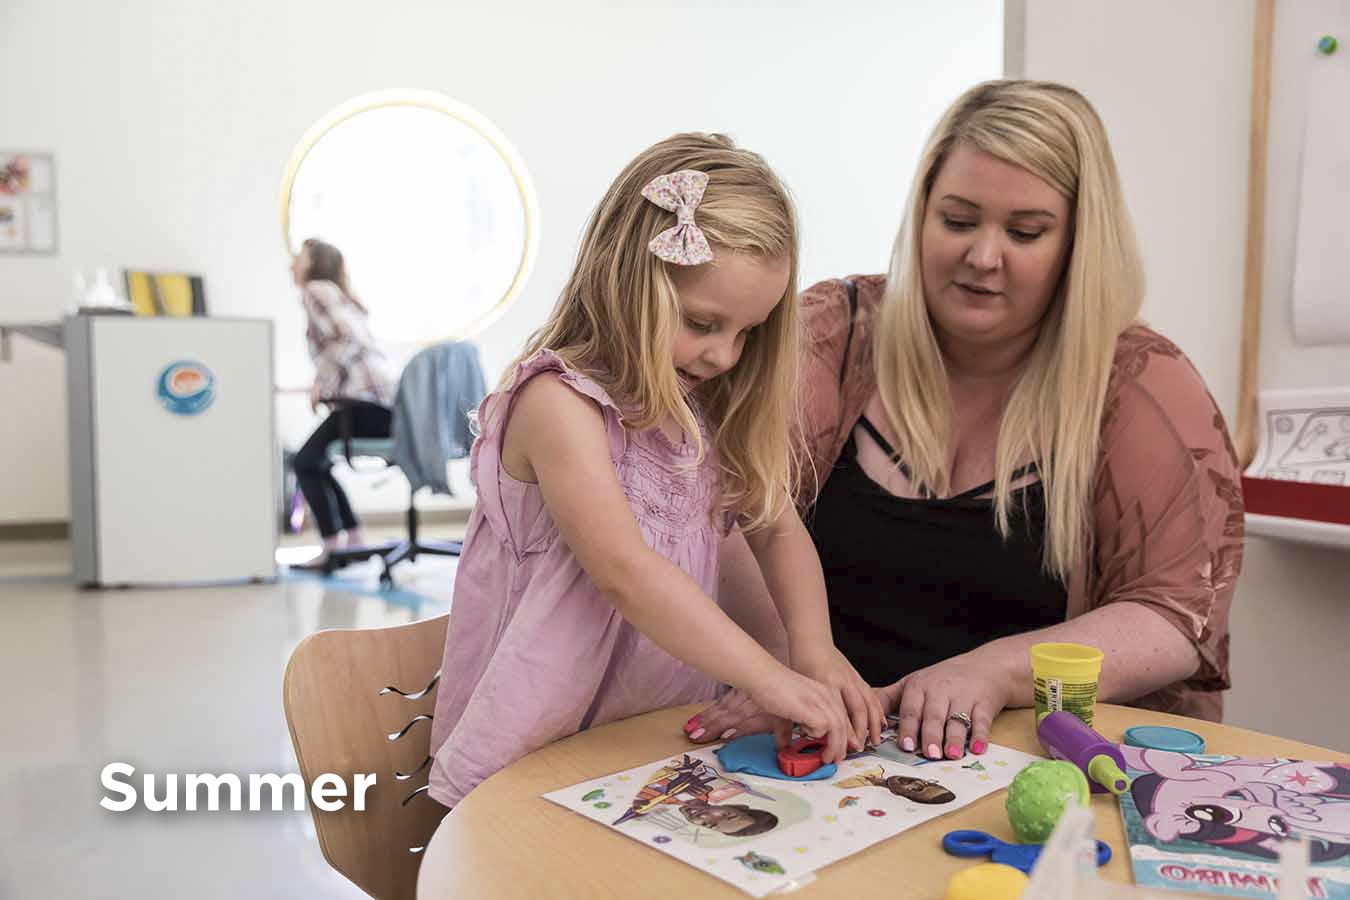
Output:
x=1003 y=453
x=648 y=415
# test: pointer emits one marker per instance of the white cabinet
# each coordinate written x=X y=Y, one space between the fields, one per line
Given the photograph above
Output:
x=173 y=458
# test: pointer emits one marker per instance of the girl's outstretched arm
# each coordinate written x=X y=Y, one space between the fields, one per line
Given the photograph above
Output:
x=557 y=438
x=792 y=573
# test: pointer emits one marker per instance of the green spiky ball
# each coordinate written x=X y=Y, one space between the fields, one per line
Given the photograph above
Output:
x=1038 y=796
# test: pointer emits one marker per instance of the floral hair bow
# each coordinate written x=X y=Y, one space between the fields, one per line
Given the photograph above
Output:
x=680 y=192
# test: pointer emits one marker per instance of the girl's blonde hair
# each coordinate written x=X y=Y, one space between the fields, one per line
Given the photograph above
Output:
x=1054 y=413
x=619 y=313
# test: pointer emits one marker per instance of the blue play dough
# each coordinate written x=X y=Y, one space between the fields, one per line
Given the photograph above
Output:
x=757 y=755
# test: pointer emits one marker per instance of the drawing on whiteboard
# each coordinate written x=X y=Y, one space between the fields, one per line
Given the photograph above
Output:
x=1324 y=437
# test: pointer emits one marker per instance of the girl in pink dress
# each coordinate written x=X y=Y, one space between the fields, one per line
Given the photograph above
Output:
x=648 y=416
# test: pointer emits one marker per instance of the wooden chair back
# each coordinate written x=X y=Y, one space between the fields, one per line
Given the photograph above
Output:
x=360 y=701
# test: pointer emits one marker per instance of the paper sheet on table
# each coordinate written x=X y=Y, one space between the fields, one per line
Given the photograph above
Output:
x=1322 y=257
x=685 y=806
x=1303 y=435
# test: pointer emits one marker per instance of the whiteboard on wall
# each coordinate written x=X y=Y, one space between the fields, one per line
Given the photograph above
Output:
x=1321 y=294
x=1296 y=326
x=1297 y=77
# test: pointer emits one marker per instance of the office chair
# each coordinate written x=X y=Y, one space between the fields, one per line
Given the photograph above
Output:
x=380 y=450
x=437 y=391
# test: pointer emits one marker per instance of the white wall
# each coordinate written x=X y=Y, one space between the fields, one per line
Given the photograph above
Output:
x=1173 y=83
x=171 y=121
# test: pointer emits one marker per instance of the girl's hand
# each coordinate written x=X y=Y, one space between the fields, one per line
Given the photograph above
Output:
x=315 y=397
x=818 y=708
x=824 y=663
x=925 y=701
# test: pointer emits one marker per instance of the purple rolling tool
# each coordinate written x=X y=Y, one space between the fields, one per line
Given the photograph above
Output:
x=1064 y=736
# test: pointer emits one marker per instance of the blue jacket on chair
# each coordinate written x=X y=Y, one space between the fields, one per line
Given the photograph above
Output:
x=438 y=389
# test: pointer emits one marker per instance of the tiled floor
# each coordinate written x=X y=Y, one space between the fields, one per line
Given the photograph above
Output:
x=167 y=680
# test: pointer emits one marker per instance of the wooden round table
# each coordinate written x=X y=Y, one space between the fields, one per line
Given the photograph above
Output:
x=506 y=841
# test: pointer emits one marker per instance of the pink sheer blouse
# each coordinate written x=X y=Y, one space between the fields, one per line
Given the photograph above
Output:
x=1167 y=508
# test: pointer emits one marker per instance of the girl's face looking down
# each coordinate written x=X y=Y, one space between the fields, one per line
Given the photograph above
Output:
x=721 y=303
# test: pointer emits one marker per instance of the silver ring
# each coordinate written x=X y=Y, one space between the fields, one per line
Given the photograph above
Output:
x=961 y=717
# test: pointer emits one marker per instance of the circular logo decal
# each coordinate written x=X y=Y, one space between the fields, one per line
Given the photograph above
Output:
x=186 y=388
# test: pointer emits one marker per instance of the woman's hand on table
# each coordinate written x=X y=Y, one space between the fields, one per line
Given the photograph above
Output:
x=734 y=714
x=926 y=700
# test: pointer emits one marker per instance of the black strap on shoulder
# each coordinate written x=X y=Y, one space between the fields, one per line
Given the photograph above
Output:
x=852 y=316
x=884 y=444
x=886 y=447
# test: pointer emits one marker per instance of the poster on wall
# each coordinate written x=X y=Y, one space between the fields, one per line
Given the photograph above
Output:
x=27 y=203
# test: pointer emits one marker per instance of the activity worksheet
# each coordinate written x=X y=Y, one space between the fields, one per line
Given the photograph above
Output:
x=761 y=833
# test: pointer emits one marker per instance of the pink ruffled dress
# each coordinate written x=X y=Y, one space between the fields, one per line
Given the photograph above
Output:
x=534 y=652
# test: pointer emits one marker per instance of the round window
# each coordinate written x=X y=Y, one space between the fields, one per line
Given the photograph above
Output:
x=432 y=208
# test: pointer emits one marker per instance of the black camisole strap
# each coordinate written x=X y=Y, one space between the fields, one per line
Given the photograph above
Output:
x=885 y=445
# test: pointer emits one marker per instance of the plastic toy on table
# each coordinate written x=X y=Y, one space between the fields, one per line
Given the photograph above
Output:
x=987 y=881
x=1038 y=796
x=1064 y=736
x=1020 y=856
x=801 y=757
x=1164 y=737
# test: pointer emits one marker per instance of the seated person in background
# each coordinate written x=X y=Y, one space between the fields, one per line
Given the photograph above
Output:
x=348 y=367
x=1004 y=453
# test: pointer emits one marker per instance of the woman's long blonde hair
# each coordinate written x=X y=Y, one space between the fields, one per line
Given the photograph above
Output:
x=619 y=313
x=1054 y=413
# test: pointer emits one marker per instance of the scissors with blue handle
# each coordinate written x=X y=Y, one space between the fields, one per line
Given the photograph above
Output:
x=1019 y=856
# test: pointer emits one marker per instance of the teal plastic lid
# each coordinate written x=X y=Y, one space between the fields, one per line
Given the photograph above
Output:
x=1161 y=737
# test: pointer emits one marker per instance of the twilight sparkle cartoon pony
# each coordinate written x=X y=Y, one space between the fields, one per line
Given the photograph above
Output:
x=1247 y=805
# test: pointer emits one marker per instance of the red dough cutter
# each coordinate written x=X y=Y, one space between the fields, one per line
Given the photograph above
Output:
x=801 y=757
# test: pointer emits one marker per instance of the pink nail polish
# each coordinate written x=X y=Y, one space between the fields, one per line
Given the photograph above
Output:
x=953 y=751
x=728 y=734
x=696 y=734
x=979 y=747
x=934 y=752
x=692 y=724
x=907 y=745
